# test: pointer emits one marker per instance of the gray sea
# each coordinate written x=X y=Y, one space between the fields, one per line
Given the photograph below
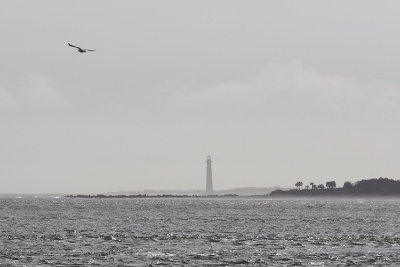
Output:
x=199 y=232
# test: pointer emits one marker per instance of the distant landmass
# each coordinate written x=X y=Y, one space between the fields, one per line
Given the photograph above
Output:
x=371 y=187
x=242 y=191
x=42 y=195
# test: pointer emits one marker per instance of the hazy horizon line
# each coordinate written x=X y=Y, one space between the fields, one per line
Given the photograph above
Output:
x=143 y=190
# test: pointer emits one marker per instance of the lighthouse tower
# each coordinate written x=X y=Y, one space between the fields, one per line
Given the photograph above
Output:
x=209 y=185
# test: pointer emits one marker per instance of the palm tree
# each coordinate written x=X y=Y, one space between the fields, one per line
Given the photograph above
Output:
x=298 y=185
x=312 y=185
x=307 y=187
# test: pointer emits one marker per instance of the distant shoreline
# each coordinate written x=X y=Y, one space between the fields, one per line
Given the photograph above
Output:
x=376 y=187
x=334 y=196
x=274 y=196
x=370 y=188
x=151 y=196
x=285 y=196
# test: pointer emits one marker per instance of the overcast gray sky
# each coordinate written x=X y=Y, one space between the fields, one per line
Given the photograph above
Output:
x=274 y=91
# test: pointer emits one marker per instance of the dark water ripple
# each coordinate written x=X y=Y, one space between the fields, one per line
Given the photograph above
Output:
x=199 y=232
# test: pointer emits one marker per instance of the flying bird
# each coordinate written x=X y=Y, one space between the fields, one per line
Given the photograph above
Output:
x=81 y=50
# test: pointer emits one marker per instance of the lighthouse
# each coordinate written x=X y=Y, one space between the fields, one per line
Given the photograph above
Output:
x=209 y=185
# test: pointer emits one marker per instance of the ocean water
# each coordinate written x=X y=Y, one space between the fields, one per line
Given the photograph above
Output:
x=200 y=232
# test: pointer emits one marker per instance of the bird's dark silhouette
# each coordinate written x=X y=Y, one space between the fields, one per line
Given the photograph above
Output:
x=81 y=50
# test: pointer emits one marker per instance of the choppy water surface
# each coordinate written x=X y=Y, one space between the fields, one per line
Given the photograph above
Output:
x=199 y=232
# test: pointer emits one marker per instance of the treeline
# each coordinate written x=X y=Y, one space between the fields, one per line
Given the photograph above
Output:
x=147 y=196
x=375 y=186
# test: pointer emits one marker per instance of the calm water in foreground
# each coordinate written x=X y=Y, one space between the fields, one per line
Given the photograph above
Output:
x=200 y=232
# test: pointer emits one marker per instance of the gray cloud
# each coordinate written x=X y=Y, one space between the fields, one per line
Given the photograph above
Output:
x=38 y=91
x=35 y=92
x=7 y=100
x=290 y=89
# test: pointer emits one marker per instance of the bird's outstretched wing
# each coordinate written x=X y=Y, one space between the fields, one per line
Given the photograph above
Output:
x=74 y=46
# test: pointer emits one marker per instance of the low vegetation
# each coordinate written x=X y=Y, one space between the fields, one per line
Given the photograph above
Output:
x=375 y=186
